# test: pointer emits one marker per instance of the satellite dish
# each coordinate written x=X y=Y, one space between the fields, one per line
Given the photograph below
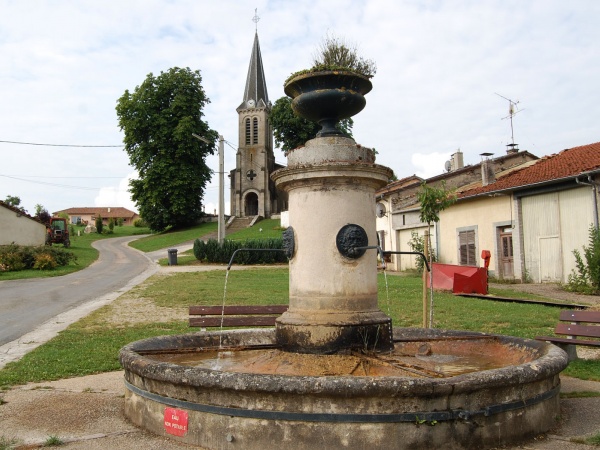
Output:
x=380 y=210
x=448 y=166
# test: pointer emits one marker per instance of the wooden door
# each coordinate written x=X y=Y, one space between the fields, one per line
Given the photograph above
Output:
x=506 y=255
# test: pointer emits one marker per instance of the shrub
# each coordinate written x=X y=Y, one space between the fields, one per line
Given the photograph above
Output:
x=11 y=261
x=99 y=224
x=199 y=249
x=120 y=222
x=111 y=224
x=140 y=223
x=60 y=255
x=586 y=277
x=44 y=261
x=417 y=244
x=213 y=252
x=15 y=257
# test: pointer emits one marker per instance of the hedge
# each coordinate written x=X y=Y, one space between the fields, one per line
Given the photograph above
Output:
x=213 y=252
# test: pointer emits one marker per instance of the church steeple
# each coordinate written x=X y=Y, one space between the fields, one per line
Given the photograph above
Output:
x=255 y=93
x=253 y=193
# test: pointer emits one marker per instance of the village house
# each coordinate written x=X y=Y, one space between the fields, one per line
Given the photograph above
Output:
x=87 y=215
x=531 y=219
x=398 y=209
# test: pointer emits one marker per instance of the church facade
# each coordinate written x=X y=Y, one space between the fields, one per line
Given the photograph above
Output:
x=253 y=193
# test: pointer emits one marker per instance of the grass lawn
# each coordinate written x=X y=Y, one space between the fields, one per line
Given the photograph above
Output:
x=268 y=228
x=81 y=246
x=92 y=344
x=172 y=238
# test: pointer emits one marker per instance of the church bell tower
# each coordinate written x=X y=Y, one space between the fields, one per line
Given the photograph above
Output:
x=252 y=191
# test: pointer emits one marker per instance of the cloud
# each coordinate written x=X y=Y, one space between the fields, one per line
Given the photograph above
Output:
x=65 y=64
x=117 y=195
x=429 y=165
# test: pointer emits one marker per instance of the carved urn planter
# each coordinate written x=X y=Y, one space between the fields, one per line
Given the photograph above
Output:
x=327 y=97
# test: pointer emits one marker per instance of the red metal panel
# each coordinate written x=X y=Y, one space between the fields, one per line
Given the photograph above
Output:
x=471 y=280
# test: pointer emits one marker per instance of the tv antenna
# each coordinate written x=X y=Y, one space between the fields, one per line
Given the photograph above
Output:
x=511 y=113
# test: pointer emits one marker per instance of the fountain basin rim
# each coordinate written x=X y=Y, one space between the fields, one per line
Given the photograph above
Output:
x=551 y=360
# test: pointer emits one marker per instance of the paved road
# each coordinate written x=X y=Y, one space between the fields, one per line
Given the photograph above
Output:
x=27 y=304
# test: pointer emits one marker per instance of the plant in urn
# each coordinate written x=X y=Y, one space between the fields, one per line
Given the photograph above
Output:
x=333 y=89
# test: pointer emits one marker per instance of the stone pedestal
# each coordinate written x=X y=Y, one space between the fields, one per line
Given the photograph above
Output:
x=331 y=182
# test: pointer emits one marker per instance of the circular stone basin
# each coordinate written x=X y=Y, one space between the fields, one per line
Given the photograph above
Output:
x=436 y=389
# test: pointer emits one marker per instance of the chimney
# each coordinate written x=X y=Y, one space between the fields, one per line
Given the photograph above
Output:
x=108 y=210
x=511 y=149
x=456 y=161
x=488 y=176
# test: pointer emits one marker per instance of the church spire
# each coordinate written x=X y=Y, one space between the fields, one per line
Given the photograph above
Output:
x=256 y=85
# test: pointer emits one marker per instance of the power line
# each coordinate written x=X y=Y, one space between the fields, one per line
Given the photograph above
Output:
x=60 y=145
x=49 y=176
x=55 y=184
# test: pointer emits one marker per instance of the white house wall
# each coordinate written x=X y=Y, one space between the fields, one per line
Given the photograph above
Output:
x=483 y=214
x=21 y=230
x=555 y=224
x=403 y=225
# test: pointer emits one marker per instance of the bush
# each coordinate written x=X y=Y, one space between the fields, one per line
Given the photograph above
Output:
x=417 y=244
x=44 y=261
x=213 y=252
x=140 y=223
x=199 y=249
x=586 y=278
x=15 y=257
x=99 y=224
x=11 y=261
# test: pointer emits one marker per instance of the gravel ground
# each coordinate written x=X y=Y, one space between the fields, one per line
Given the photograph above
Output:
x=553 y=291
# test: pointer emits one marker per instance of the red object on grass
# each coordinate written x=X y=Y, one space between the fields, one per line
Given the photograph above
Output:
x=459 y=279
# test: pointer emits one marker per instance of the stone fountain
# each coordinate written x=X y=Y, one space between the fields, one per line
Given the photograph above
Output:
x=334 y=373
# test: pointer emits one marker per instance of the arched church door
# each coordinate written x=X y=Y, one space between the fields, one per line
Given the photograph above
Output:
x=251 y=206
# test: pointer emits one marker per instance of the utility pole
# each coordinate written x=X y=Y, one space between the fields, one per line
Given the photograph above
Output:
x=221 y=227
x=221 y=216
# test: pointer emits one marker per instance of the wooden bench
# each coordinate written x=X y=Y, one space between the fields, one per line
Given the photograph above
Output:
x=575 y=324
x=235 y=316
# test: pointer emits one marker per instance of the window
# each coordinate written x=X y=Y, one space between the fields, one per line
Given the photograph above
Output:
x=467 y=254
x=255 y=131
x=247 y=131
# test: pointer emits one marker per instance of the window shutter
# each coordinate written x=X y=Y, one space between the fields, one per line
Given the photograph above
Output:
x=466 y=242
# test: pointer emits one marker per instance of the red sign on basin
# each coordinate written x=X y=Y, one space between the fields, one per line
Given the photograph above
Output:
x=176 y=421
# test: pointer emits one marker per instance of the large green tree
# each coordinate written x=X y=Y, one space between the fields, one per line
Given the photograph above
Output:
x=291 y=131
x=158 y=119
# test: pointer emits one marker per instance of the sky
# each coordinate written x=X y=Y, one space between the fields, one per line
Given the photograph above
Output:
x=445 y=70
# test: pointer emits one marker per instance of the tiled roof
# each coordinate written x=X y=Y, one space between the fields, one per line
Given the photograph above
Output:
x=566 y=164
x=400 y=184
x=106 y=212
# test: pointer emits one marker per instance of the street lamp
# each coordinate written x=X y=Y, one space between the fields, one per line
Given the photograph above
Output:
x=221 y=220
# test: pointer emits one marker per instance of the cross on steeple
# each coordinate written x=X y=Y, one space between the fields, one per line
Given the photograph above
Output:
x=251 y=174
x=255 y=19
